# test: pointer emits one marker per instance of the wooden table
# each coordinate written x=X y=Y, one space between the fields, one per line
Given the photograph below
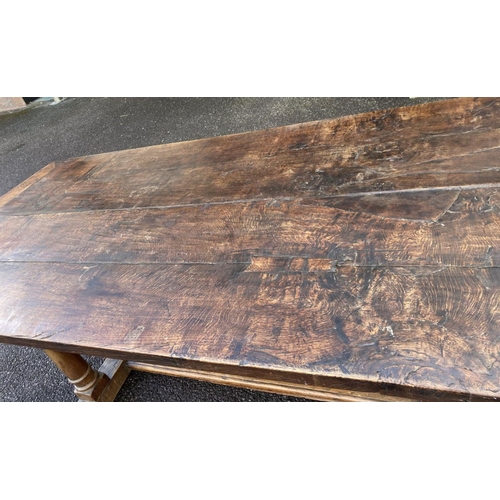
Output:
x=347 y=259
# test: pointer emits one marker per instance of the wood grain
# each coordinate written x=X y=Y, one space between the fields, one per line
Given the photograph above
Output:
x=360 y=255
x=459 y=228
x=414 y=327
x=301 y=390
x=441 y=145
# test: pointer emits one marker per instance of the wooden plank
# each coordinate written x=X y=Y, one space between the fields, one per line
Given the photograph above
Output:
x=20 y=188
x=426 y=228
x=405 y=148
x=266 y=385
x=415 y=328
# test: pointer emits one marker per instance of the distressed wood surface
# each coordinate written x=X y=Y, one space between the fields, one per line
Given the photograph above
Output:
x=359 y=254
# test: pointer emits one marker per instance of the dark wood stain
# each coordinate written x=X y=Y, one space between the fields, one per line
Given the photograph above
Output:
x=361 y=254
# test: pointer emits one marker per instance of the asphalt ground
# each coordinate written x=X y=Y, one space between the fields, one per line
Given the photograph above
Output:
x=44 y=132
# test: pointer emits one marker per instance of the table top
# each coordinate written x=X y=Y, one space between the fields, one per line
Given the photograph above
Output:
x=363 y=250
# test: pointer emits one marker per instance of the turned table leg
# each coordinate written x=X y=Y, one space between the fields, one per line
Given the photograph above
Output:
x=90 y=384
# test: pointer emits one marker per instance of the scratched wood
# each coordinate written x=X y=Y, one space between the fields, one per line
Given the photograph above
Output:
x=451 y=228
x=407 y=148
x=359 y=254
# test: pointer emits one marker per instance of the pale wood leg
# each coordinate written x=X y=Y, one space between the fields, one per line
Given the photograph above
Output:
x=117 y=372
x=90 y=384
